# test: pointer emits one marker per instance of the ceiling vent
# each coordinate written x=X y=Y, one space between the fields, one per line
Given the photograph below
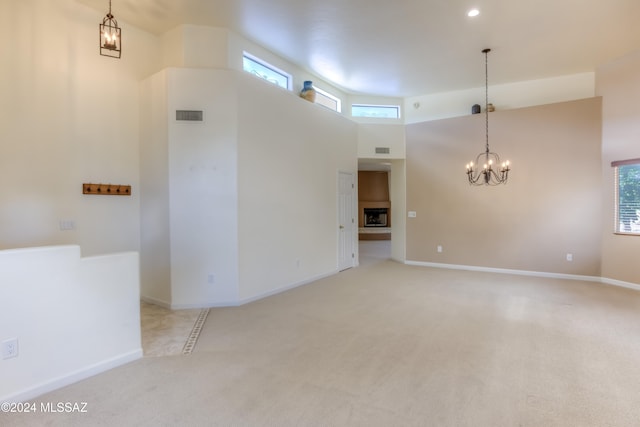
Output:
x=382 y=150
x=189 y=115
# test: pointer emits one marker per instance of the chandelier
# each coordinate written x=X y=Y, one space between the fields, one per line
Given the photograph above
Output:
x=110 y=41
x=492 y=172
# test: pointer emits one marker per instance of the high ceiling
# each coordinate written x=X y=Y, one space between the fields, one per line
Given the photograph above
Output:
x=411 y=47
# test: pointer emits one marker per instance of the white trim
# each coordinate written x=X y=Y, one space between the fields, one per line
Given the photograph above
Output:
x=203 y=305
x=73 y=377
x=239 y=302
x=620 y=283
x=286 y=288
x=596 y=279
x=155 y=301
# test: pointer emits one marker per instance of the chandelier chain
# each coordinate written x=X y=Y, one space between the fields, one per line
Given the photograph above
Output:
x=486 y=98
x=110 y=36
x=492 y=171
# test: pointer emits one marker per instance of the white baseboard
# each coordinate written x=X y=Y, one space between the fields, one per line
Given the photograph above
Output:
x=239 y=302
x=614 y=282
x=597 y=279
x=73 y=377
x=155 y=301
x=286 y=288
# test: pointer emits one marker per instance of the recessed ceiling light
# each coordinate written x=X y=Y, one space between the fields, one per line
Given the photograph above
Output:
x=473 y=12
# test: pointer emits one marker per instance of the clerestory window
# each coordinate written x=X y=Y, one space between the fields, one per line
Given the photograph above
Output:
x=376 y=111
x=325 y=99
x=264 y=70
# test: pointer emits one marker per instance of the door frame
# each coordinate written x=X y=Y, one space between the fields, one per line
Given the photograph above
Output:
x=354 y=224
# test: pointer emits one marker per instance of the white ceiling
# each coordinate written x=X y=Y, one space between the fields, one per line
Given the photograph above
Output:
x=411 y=47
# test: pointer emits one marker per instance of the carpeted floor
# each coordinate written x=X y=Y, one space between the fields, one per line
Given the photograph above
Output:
x=387 y=344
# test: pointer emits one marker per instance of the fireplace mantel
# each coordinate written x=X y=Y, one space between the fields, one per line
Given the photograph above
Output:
x=369 y=205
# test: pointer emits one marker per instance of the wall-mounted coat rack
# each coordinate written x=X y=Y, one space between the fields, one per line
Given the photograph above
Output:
x=107 y=189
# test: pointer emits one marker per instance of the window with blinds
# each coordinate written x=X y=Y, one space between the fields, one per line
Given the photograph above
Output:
x=627 y=196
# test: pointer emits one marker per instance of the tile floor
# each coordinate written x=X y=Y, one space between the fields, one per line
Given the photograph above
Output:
x=168 y=332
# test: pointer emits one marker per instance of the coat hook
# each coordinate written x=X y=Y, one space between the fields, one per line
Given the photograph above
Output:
x=106 y=189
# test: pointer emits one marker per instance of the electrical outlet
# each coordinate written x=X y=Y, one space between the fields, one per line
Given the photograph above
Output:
x=569 y=257
x=67 y=225
x=10 y=348
x=439 y=249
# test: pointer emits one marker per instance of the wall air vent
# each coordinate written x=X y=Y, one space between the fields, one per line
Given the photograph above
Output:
x=382 y=150
x=189 y=115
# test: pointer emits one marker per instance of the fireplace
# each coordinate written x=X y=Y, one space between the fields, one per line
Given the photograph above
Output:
x=374 y=206
x=375 y=217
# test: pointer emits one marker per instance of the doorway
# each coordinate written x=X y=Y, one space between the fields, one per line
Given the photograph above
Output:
x=395 y=216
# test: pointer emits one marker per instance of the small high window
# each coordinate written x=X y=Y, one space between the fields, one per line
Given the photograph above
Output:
x=266 y=71
x=376 y=111
x=627 y=200
x=327 y=100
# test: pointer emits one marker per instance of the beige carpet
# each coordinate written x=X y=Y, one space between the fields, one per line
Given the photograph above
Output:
x=389 y=345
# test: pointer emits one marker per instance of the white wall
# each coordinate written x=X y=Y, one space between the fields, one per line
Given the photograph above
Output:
x=196 y=46
x=68 y=116
x=371 y=136
x=155 y=249
x=203 y=188
x=260 y=170
x=503 y=97
x=73 y=317
x=189 y=174
x=289 y=155
x=398 y=194
x=237 y=44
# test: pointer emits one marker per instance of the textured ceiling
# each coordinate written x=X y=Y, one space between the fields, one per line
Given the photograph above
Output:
x=412 y=47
